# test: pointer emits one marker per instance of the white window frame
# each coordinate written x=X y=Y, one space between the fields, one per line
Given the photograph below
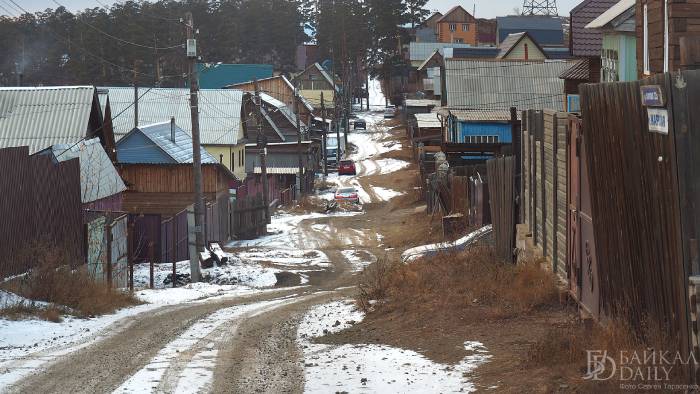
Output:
x=453 y=27
x=465 y=26
x=666 y=38
x=647 y=68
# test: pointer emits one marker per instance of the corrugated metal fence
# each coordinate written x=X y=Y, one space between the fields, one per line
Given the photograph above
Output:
x=40 y=206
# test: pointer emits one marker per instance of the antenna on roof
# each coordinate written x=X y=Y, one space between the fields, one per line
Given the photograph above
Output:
x=540 y=7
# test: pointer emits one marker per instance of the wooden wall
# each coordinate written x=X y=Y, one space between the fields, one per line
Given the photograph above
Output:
x=684 y=21
x=145 y=178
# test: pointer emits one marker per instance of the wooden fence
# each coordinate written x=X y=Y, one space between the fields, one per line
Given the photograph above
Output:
x=501 y=175
x=248 y=217
x=544 y=183
x=643 y=196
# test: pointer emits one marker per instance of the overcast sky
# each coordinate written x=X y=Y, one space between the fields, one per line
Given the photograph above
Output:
x=484 y=8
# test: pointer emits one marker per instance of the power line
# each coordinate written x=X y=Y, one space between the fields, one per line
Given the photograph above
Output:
x=79 y=19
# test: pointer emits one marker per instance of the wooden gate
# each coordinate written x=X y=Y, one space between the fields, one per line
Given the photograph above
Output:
x=582 y=267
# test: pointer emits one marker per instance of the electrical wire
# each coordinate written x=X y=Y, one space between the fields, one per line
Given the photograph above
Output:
x=79 y=19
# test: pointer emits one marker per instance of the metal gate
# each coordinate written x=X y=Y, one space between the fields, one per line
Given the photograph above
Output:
x=582 y=269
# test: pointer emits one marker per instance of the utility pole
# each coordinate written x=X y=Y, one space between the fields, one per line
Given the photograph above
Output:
x=299 y=149
x=196 y=147
x=325 y=139
x=136 y=94
x=262 y=147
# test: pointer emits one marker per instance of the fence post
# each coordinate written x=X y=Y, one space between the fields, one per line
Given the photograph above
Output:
x=108 y=253
x=173 y=256
x=151 y=257
x=129 y=253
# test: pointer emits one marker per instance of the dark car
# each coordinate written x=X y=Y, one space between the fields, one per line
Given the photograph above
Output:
x=360 y=124
x=347 y=167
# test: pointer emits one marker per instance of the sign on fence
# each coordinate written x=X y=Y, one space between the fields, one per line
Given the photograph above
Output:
x=658 y=120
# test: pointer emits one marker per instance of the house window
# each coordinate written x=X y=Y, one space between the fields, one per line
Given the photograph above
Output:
x=666 y=54
x=465 y=26
x=458 y=41
x=453 y=27
x=647 y=69
x=610 y=64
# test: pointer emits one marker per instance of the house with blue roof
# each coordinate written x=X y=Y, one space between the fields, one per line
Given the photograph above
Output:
x=546 y=30
x=219 y=75
x=156 y=163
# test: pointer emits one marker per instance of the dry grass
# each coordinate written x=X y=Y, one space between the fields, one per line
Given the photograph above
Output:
x=457 y=282
x=56 y=282
x=25 y=310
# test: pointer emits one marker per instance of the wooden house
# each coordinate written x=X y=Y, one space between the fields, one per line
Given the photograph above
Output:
x=316 y=80
x=427 y=31
x=282 y=89
x=618 y=55
x=521 y=46
x=471 y=136
x=155 y=162
x=220 y=117
x=457 y=26
x=668 y=35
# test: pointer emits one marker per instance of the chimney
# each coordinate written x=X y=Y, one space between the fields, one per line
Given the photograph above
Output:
x=172 y=129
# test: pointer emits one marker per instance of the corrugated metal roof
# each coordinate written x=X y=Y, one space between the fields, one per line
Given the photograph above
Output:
x=98 y=177
x=482 y=84
x=475 y=52
x=282 y=108
x=529 y=22
x=482 y=115
x=422 y=103
x=510 y=41
x=327 y=76
x=303 y=99
x=587 y=42
x=179 y=150
x=219 y=111
x=419 y=51
x=428 y=120
x=546 y=30
x=579 y=71
x=44 y=116
x=611 y=14
x=216 y=76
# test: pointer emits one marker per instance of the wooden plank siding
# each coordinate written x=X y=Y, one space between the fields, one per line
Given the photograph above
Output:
x=683 y=21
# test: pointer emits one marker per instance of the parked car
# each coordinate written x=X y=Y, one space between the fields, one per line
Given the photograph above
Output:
x=360 y=124
x=347 y=194
x=389 y=111
x=347 y=167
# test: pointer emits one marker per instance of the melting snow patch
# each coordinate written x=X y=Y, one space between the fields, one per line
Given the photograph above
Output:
x=385 y=194
x=374 y=368
x=391 y=165
x=359 y=259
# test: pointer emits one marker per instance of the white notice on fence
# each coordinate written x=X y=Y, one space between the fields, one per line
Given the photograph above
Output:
x=658 y=120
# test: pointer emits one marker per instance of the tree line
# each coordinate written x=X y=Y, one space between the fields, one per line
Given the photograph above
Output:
x=143 y=40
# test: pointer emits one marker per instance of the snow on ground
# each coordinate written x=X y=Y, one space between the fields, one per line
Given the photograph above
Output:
x=376 y=97
x=8 y=300
x=374 y=368
x=199 y=341
x=284 y=231
x=359 y=259
x=387 y=166
x=288 y=257
x=23 y=338
x=385 y=194
x=460 y=244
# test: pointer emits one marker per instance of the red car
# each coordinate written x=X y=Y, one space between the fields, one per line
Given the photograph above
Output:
x=347 y=194
x=347 y=167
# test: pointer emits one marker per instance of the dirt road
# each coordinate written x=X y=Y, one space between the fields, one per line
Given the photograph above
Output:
x=227 y=344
